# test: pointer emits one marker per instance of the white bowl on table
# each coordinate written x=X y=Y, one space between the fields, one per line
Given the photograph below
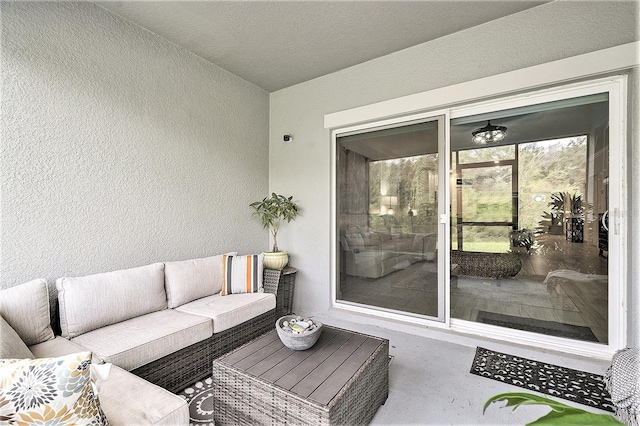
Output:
x=300 y=341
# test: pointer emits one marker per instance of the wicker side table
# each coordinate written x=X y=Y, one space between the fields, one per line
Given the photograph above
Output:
x=286 y=280
x=341 y=380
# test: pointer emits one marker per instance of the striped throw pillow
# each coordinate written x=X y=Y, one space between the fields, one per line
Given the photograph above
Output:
x=242 y=274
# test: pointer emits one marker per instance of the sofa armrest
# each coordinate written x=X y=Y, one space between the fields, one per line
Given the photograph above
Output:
x=281 y=283
x=425 y=245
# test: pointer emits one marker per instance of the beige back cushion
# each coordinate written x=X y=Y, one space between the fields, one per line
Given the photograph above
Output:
x=193 y=279
x=25 y=307
x=95 y=301
x=11 y=345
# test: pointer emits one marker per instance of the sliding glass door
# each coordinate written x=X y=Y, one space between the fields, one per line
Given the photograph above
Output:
x=389 y=195
x=501 y=218
x=530 y=235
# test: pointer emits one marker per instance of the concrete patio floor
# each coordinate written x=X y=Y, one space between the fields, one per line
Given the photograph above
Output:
x=430 y=383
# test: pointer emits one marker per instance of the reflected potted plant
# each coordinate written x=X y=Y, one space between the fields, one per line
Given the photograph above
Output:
x=272 y=211
x=555 y=219
x=566 y=216
x=575 y=223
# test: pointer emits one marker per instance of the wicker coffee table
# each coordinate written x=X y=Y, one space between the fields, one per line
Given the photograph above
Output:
x=342 y=379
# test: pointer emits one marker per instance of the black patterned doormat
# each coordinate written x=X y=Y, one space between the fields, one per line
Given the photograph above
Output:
x=572 y=385
x=550 y=328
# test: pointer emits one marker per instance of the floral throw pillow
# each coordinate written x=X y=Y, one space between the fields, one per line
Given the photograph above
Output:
x=51 y=391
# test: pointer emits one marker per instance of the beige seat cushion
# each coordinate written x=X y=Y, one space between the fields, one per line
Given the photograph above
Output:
x=138 y=341
x=231 y=310
x=192 y=279
x=94 y=301
x=58 y=347
x=126 y=399
x=25 y=307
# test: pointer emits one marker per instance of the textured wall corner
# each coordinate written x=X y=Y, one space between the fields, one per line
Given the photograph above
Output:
x=120 y=149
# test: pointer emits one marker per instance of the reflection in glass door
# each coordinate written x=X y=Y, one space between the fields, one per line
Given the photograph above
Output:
x=486 y=211
x=529 y=235
x=387 y=199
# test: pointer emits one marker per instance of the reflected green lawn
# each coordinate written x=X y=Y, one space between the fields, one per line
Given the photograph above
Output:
x=487 y=246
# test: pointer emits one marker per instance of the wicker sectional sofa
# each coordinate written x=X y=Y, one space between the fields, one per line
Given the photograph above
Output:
x=160 y=326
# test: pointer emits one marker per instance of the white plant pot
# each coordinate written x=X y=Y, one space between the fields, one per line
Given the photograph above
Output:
x=277 y=260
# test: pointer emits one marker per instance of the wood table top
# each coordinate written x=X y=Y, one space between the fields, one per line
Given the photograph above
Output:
x=318 y=373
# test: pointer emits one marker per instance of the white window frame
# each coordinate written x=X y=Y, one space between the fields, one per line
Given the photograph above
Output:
x=616 y=88
x=482 y=95
x=444 y=200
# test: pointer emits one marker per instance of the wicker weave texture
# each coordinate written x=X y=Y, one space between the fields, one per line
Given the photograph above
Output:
x=360 y=398
x=184 y=367
x=287 y=286
x=180 y=369
x=243 y=399
x=282 y=284
x=486 y=265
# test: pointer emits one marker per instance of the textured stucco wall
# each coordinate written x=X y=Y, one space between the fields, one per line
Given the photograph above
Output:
x=119 y=148
x=549 y=32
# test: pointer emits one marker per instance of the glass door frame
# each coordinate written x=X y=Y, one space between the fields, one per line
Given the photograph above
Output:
x=492 y=94
x=617 y=313
x=443 y=238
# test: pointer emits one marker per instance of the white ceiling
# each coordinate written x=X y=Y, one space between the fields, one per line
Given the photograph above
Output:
x=276 y=44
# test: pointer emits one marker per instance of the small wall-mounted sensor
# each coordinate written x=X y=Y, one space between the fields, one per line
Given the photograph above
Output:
x=287 y=138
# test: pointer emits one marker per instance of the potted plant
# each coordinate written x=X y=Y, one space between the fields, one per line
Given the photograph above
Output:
x=560 y=414
x=575 y=222
x=272 y=211
x=555 y=219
